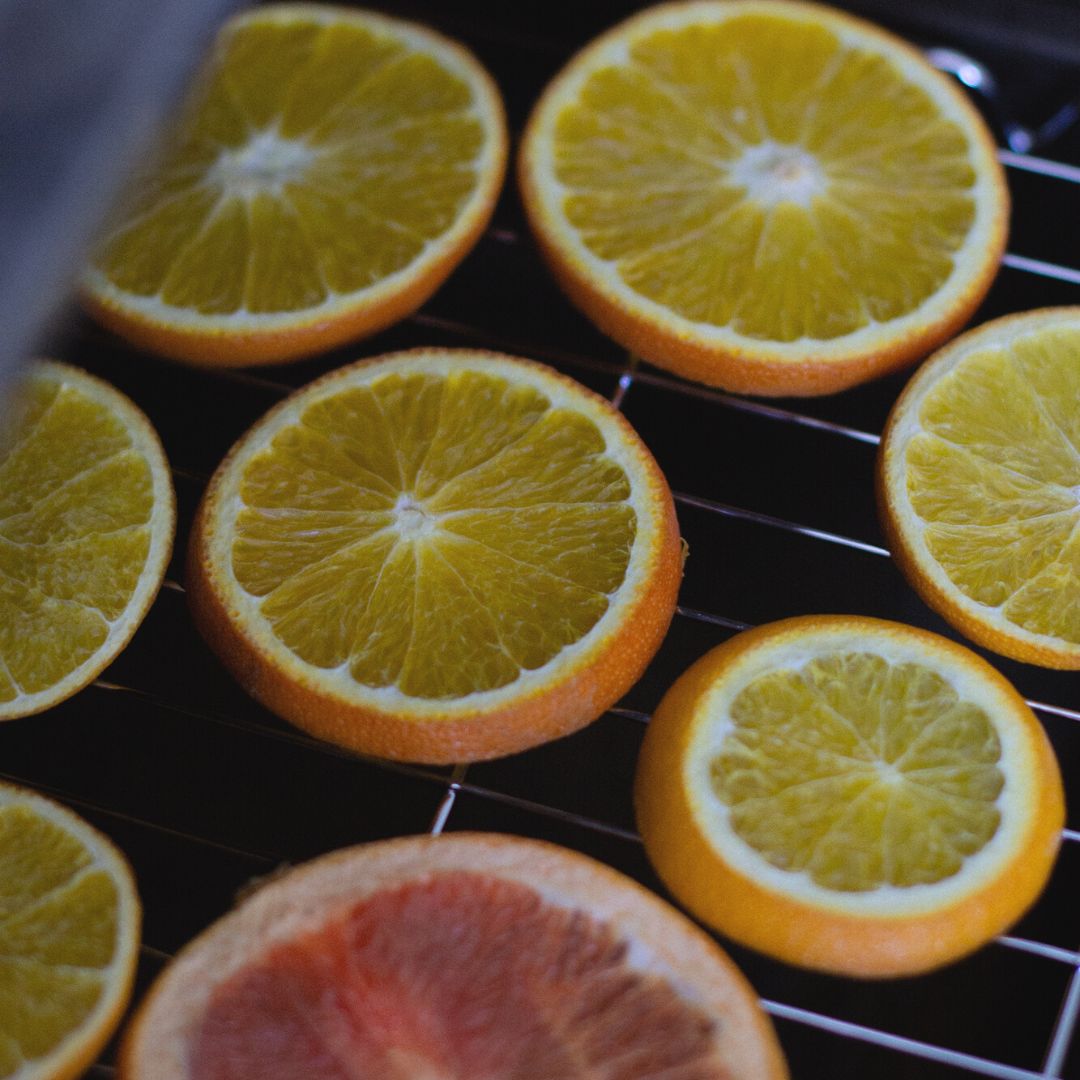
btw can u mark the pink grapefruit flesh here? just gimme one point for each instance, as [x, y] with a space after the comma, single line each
[460, 976]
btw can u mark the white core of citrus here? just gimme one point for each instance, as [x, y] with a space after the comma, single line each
[263, 165]
[773, 173]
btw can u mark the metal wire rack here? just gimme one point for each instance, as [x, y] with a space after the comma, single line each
[204, 790]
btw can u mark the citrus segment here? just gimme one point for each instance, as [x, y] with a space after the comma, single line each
[979, 485]
[329, 170]
[457, 956]
[768, 196]
[86, 527]
[438, 554]
[849, 794]
[69, 934]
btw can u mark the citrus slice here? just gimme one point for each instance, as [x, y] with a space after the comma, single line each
[979, 485]
[849, 794]
[69, 938]
[767, 196]
[86, 527]
[329, 170]
[438, 555]
[465, 955]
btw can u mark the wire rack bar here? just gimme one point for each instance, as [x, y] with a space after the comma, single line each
[271, 859]
[888, 1041]
[514, 345]
[1063, 1029]
[757, 408]
[1044, 166]
[290, 735]
[1057, 710]
[630, 714]
[1042, 268]
[443, 813]
[1048, 952]
[715, 620]
[726, 510]
[160, 955]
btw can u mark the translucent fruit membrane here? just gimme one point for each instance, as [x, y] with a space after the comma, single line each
[76, 500]
[435, 533]
[58, 935]
[767, 176]
[311, 162]
[460, 977]
[994, 473]
[859, 772]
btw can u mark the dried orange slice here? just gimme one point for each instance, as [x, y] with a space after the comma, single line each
[87, 517]
[438, 555]
[979, 485]
[464, 955]
[69, 938]
[330, 169]
[764, 195]
[850, 794]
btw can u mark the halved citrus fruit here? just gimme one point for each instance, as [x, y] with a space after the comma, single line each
[330, 169]
[768, 196]
[849, 794]
[87, 517]
[69, 938]
[465, 955]
[437, 555]
[979, 485]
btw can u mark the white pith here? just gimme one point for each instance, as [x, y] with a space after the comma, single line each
[262, 166]
[773, 173]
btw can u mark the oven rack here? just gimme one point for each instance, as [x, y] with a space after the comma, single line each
[205, 791]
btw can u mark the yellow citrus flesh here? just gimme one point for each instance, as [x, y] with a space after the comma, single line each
[329, 170]
[86, 526]
[69, 937]
[979, 485]
[850, 795]
[767, 196]
[438, 554]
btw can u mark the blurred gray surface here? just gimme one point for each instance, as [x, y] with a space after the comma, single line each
[83, 87]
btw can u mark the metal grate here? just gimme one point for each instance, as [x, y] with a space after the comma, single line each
[205, 790]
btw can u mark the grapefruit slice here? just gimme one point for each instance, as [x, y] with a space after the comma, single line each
[471, 955]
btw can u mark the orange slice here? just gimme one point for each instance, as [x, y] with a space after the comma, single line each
[69, 938]
[849, 794]
[979, 485]
[87, 517]
[764, 195]
[464, 955]
[329, 170]
[438, 555]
